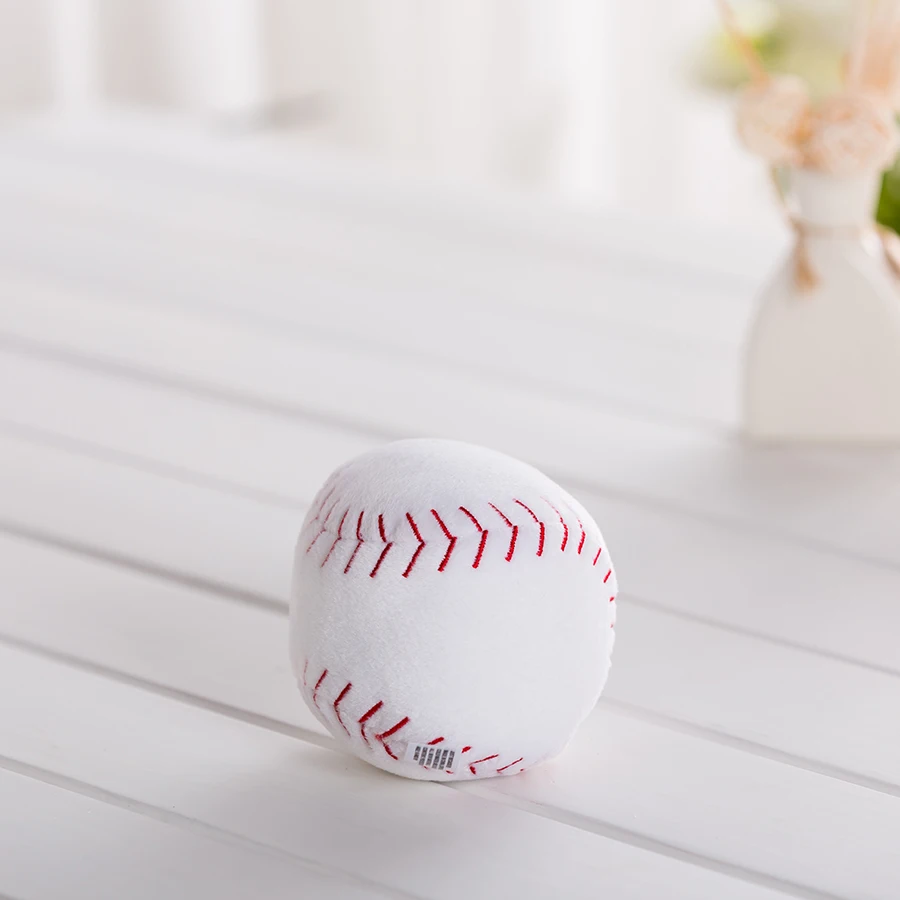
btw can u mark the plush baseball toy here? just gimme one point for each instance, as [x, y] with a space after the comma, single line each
[452, 611]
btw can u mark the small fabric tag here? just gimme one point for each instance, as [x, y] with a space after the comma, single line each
[437, 757]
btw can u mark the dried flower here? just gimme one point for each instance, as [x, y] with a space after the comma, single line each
[773, 118]
[850, 134]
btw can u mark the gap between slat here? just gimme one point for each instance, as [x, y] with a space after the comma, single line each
[572, 819]
[33, 349]
[272, 602]
[186, 823]
[670, 723]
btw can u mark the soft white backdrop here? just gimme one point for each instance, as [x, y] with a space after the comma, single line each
[589, 100]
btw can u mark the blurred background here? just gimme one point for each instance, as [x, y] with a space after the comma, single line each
[595, 102]
[242, 242]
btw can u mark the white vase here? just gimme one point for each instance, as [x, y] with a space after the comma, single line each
[823, 362]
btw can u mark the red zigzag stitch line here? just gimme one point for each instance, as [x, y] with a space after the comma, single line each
[450, 537]
[562, 522]
[415, 555]
[337, 702]
[315, 693]
[477, 761]
[323, 526]
[484, 535]
[515, 532]
[382, 737]
[540, 524]
[325, 499]
[359, 542]
[386, 734]
[583, 535]
[336, 540]
[387, 546]
[365, 718]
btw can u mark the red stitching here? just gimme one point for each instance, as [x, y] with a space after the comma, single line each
[583, 535]
[612, 599]
[374, 571]
[484, 535]
[474, 520]
[540, 549]
[606, 576]
[330, 511]
[338, 538]
[393, 729]
[491, 505]
[384, 552]
[382, 737]
[359, 542]
[325, 499]
[565, 539]
[386, 734]
[449, 537]
[515, 532]
[316, 689]
[512, 543]
[415, 555]
[321, 504]
[312, 543]
[364, 718]
[324, 524]
[452, 538]
[337, 712]
[412, 525]
[477, 761]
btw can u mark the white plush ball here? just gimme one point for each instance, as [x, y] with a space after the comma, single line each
[452, 611]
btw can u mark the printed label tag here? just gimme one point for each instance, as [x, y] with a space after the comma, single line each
[437, 757]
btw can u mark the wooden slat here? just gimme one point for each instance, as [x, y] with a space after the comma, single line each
[814, 708]
[752, 582]
[277, 456]
[630, 303]
[116, 213]
[146, 520]
[615, 365]
[799, 494]
[388, 223]
[206, 417]
[60, 845]
[739, 686]
[615, 774]
[310, 802]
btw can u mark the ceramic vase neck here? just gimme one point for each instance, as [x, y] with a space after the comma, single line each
[832, 201]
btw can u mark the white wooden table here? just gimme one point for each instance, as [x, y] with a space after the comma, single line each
[194, 333]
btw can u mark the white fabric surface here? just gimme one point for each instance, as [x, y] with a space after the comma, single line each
[446, 591]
